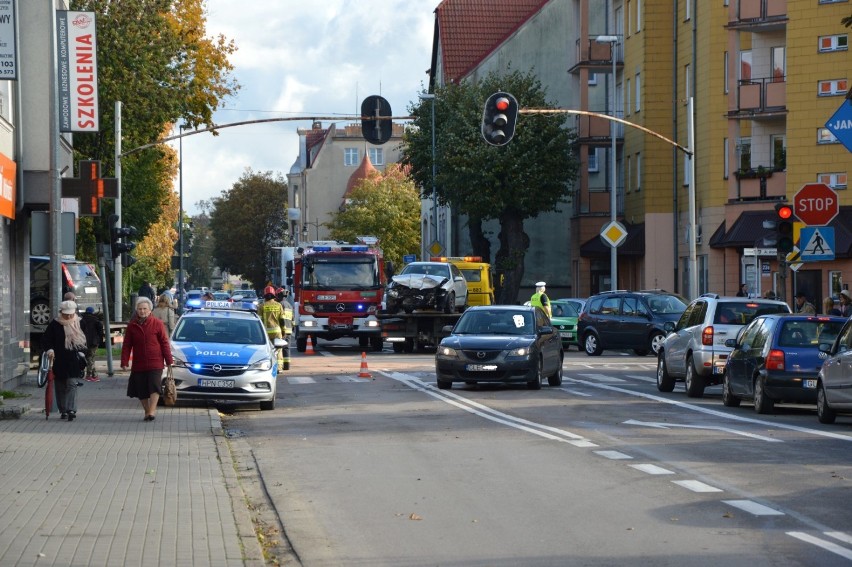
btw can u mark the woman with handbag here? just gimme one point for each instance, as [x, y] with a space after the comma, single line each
[146, 340]
[64, 342]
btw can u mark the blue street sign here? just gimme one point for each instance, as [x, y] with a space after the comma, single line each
[840, 124]
[817, 243]
[409, 258]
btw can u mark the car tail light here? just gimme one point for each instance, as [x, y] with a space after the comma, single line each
[775, 360]
[707, 336]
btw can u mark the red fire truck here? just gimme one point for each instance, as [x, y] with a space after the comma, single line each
[337, 291]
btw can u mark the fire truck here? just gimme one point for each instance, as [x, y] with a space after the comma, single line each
[337, 291]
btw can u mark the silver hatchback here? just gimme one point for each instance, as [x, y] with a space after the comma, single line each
[694, 350]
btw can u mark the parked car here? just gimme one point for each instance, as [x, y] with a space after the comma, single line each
[694, 349]
[436, 286]
[564, 317]
[78, 277]
[224, 353]
[834, 384]
[501, 343]
[776, 358]
[221, 295]
[627, 320]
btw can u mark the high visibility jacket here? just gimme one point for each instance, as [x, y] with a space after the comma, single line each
[277, 319]
[541, 300]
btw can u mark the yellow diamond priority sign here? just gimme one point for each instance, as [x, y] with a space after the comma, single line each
[614, 233]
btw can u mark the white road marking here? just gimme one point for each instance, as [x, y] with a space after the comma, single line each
[651, 469]
[845, 538]
[658, 425]
[643, 378]
[605, 378]
[697, 486]
[300, 380]
[614, 455]
[826, 545]
[753, 508]
[546, 431]
[577, 393]
[350, 378]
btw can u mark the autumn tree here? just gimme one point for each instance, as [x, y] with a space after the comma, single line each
[247, 221]
[386, 206]
[202, 260]
[533, 174]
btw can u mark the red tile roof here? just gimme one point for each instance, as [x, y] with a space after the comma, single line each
[365, 170]
[471, 29]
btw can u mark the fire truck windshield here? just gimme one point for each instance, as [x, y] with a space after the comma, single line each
[344, 274]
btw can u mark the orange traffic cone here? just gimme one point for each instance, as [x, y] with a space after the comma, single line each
[364, 373]
[309, 348]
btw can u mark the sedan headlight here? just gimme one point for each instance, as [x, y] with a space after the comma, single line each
[522, 352]
[393, 292]
[178, 363]
[446, 351]
[265, 364]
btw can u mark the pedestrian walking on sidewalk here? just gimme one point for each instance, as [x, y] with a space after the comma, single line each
[65, 344]
[165, 313]
[93, 328]
[147, 342]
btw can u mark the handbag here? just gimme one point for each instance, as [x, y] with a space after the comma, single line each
[169, 389]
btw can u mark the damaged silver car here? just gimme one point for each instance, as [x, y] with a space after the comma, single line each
[437, 286]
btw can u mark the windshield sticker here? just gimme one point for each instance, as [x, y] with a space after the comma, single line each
[519, 321]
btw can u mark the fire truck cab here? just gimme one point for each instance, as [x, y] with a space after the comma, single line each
[337, 291]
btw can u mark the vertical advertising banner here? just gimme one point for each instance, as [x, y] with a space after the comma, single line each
[8, 54]
[7, 187]
[78, 71]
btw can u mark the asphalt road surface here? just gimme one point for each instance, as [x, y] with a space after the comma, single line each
[604, 470]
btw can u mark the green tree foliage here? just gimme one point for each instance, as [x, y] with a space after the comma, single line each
[201, 257]
[155, 57]
[386, 206]
[532, 174]
[247, 221]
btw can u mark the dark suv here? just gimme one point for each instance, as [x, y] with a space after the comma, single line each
[77, 277]
[627, 320]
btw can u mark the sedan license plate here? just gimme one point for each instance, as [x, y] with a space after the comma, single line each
[204, 383]
[91, 289]
[809, 384]
[566, 335]
[481, 367]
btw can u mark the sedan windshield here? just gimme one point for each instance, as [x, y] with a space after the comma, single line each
[496, 323]
[219, 330]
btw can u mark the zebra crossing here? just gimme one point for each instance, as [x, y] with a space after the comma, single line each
[572, 378]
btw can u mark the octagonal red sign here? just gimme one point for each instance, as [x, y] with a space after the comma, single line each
[816, 204]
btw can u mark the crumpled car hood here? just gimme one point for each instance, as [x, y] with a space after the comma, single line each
[419, 281]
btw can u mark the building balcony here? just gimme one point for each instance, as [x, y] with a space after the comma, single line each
[760, 99]
[596, 56]
[595, 203]
[595, 131]
[760, 184]
[760, 15]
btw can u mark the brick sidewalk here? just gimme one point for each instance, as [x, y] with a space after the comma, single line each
[111, 489]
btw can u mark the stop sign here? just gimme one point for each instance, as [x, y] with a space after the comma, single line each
[816, 204]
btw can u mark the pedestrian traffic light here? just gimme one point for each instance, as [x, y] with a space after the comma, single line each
[376, 125]
[499, 118]
[784, 228]
[120, 243]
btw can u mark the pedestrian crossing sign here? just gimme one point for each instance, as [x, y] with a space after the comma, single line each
[817, 243]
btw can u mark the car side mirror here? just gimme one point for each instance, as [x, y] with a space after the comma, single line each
[447, 329]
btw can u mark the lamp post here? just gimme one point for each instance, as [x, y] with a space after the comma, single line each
[612, 40]
[431, 97]
[305, 228]
[180, 290]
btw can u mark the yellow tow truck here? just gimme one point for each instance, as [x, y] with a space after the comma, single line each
[479, 277]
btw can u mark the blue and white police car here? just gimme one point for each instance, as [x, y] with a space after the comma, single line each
[221, 352]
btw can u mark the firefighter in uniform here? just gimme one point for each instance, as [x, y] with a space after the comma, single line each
[282, 296]
[275, 320]
[540, 299]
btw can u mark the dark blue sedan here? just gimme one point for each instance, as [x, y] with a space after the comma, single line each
[501, 343]
[776, 358]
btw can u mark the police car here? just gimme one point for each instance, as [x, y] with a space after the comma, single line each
[221, 352]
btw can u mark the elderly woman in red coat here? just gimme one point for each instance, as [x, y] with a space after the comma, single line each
[147, 340]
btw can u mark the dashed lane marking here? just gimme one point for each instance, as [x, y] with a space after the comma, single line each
[614, 455]
[651, 469]
[826, 545]
[696, 486]
[753, 508]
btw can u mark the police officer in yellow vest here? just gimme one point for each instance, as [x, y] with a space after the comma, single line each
[540, 299]
[275, 319]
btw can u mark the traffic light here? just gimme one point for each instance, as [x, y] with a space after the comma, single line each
[784, 227]
[120, 243]
[375, 128]
[499, 118]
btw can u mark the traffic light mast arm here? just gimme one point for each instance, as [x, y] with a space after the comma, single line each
[685, 150]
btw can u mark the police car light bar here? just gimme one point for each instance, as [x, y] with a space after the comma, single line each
[221, 305]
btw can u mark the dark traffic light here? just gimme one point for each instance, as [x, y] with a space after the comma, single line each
[784, 228]
[120, 243]
[376, 125]
[499, 118]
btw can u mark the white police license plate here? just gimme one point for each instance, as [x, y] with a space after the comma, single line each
[809, 384]
[204, 383]
[481, 367]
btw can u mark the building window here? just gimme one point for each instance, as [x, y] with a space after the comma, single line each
[824, 136]
[638, 171]
[835, 281]
[638, 15]
[377, 156]
[834, 180]
[638, 92]
[832, 1]
[594, 166]
[627, 96]
[745, 65]
[627, 182]
[350, 156]
[778, 143]
[687, 13]
[829, 43]
[725, 63]
[629, 18]
[744, 153]
[834, 87]
[779, 64]
[593, 78]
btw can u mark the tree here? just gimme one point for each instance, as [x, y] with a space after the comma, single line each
[201, 257]
[154, 251]
[247, 221]
[386, 206]
[531, 175]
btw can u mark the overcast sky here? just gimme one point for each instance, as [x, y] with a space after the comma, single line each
[298, 59]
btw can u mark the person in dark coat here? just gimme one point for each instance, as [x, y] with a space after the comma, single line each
[94, 331]
[147, 291]
[147, 341]
[65, 344]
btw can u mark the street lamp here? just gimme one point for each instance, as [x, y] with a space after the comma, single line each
[431, 97]
[180, 290]
[305, 228]
[612, 40]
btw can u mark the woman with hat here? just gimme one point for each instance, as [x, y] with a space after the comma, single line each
[845, 307]
[65, 344]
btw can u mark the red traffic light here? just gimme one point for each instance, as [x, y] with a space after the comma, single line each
[784, 211]
[502, 104]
